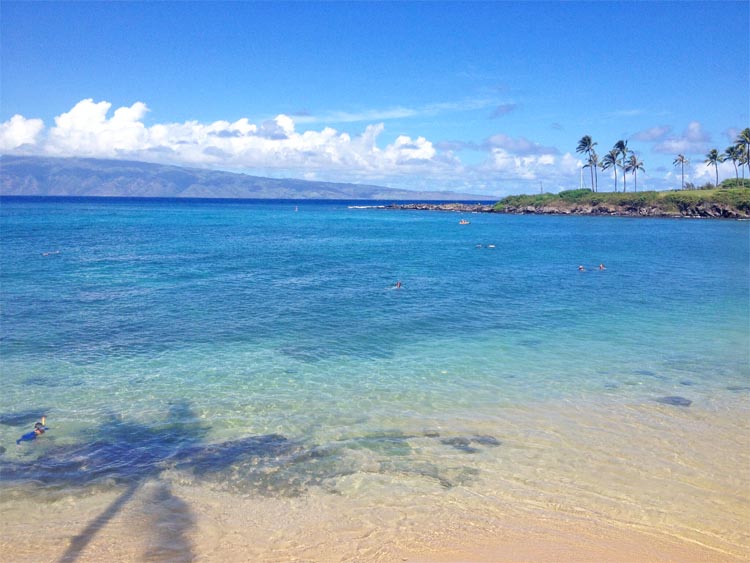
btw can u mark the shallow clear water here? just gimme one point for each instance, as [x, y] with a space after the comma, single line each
[262, 349]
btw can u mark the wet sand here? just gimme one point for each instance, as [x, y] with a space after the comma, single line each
[191, 525]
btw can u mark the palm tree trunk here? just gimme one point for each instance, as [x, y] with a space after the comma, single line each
[682, 166]
[615, 167]
[596, 177]
[635, 180]
[716, 167]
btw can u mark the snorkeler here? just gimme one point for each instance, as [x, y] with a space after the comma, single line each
[39, 429]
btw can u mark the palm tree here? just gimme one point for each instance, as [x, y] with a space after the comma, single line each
[743, 140]
[594, 163]
[733, 153]
[713, 158]
[586, 145]
[682, 161]
[633, 165]
[622, 150]
[743, 161]
[610, 161]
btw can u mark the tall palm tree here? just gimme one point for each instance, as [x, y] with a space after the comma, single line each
[744, 161]
[633, 165]
[622, 150]
[713, 158]
[610, 160]
[743, 139]
[733, 153]
[682, 161]
[594, 163]
[586, 146]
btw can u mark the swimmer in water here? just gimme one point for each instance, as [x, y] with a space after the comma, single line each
[39, 429]
[581, 269]
[398, 285]
[601, 267]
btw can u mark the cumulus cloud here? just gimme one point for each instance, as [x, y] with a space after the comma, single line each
[693, 140]
[91, 129]
[277, 147]
[522, 159]
[702, 172]
[18, 132]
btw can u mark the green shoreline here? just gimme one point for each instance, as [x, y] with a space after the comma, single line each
[721, 203]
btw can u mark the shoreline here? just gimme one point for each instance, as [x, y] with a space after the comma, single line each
[708, 211]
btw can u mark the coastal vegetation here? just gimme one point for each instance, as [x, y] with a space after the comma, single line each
[729, 200]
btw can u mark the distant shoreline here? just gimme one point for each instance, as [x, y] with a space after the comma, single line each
[731, 203]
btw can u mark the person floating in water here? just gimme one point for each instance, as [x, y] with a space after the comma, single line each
[581, 269]
[398, 285]
[601, 267]
[39, 429]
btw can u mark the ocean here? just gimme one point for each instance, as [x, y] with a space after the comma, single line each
[261, 352]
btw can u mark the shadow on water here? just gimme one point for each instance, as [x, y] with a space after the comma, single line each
[128, 454]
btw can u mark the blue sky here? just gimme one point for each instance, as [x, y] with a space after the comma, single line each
[476, 97]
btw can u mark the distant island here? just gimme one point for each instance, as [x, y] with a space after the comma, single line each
[728, 202]
[86, 177]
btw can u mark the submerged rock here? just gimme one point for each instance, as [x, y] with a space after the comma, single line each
[460, 443]
[676, 401]
[464, 444]
[486, 440]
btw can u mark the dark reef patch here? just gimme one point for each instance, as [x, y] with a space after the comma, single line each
[675, 400]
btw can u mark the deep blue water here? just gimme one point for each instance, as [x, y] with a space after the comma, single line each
[247, 319]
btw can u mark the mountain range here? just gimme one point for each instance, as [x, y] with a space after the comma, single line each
[49, 176]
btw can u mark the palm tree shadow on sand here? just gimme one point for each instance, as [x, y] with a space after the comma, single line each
[130, 454]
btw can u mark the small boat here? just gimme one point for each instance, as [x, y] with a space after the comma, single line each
[464, 222]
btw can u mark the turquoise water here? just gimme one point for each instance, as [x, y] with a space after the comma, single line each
[168, 327]
[271, 319]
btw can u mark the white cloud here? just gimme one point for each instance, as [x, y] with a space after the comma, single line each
[701, 172]
[276, 147]
[507, 165]
[652, 134]
[19, 131]
[692, 141]
[86, 130]
[520, 145]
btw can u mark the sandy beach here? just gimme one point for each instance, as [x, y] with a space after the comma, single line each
[562, 507]
[220, 528]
